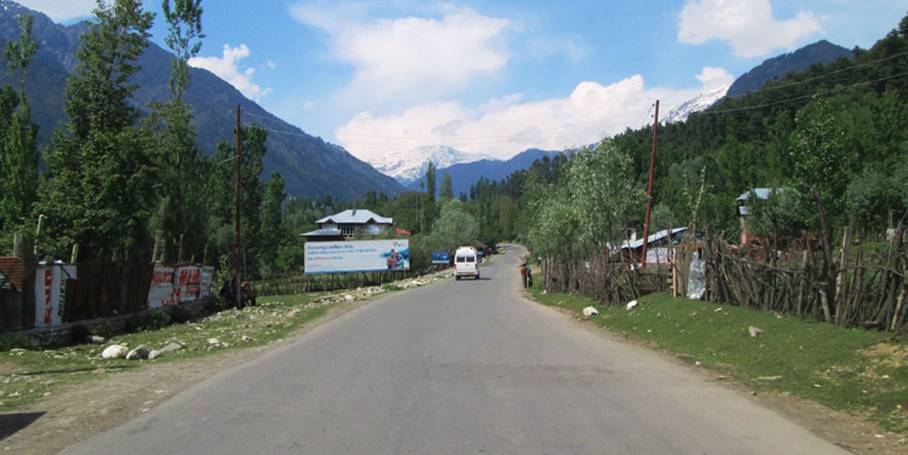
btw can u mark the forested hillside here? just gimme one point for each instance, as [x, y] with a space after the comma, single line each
[311, 167]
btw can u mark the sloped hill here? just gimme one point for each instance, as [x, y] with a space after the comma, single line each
[311, 166]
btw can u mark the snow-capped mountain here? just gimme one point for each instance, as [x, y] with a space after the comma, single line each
[407, 166]
[701, 102]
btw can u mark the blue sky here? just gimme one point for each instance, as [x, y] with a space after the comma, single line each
[497, 77]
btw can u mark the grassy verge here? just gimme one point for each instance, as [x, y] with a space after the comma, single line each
[853, 370]
[27, 376]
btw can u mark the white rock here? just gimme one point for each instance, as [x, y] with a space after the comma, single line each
[348, 298]
[115, 351]
[754, 331]
[171, 347]
[95, 339]
[214, 341]
[590, 311]
[631, 305]
[141, 352]
[247, 339]
[154, 355]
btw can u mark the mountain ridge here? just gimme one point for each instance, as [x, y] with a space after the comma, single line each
[311, 166]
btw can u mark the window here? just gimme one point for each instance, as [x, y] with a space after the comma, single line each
[471, 258]
[461, 259]
[348, 230]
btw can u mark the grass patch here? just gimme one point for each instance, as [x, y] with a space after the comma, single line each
[853, 370]
[28, 375]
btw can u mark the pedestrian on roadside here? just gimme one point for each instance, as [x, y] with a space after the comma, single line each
[529, 278]
[524, 274]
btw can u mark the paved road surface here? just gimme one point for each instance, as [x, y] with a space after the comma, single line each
[458, 368]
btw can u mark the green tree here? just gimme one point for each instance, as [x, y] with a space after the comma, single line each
[447, 188]
[220, 192]
[18, 143]
[99, 189]
[455, 227]
[273, 231]
[179, 221]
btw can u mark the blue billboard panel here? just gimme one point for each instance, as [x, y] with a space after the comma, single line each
[441, 257]
[357, 256]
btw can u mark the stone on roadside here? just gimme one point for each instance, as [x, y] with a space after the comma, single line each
[348, 298]
[171, 347]
[154, 354]
[590, 312]
[115, 351]
[96, 339]
[139, 353]
[247, 339]
[631, 305]
[755, 331]
[213, 341]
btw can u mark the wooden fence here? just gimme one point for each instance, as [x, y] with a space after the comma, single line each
[861, 286]
[106, 290]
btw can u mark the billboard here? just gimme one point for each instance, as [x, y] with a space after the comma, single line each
[441, 258]
[357, 256]
[160, 292]
[50, 292]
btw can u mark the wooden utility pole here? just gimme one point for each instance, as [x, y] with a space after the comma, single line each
[649, 190]
[237, 246]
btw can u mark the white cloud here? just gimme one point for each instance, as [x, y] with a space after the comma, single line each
[411, 59]
[228, 68]
[505, 126]
[748, 26]
[61, 10]
[713, 77]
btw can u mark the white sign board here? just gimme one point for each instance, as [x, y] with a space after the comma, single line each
[186, 286]
[50, 292]
[357, 256]
[161, 291]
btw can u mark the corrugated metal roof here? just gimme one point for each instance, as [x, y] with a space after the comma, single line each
[355, 216]
[652, 238]
[761, 193]
[326, 232]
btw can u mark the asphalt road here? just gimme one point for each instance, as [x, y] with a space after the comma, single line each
[458, 368]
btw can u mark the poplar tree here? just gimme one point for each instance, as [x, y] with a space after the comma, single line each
[19, 159]
[179, 221]
[99, 191]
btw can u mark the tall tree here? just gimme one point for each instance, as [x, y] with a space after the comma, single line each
[429, 210]
[447, 188]
[99, 191]
[19, 167]
[273, 231]
[179, 221]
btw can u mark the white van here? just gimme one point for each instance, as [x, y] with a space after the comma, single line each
[466, 262]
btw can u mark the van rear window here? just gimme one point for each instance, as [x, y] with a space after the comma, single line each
[461, 259]
[471, 258]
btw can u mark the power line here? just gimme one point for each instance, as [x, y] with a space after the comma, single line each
[821, 76]
[797, 98]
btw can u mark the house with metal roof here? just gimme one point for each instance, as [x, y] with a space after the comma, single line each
[348, 224]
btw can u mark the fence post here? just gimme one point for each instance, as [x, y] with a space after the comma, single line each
[25, 250]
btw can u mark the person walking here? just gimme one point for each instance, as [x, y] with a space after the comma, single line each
[524, 273]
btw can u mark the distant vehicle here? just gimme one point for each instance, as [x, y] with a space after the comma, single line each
[466, 263]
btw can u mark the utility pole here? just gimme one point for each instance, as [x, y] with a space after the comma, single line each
[649, 189]
[237, 248]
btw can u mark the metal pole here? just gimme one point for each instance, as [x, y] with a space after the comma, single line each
[649, 189]
[237, 248]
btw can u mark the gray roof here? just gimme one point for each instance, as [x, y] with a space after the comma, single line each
[761, 193]
[652, 238]
[355, 216]
[325, 232]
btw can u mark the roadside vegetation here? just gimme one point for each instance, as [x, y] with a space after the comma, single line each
[29, 374]
[854, 370]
